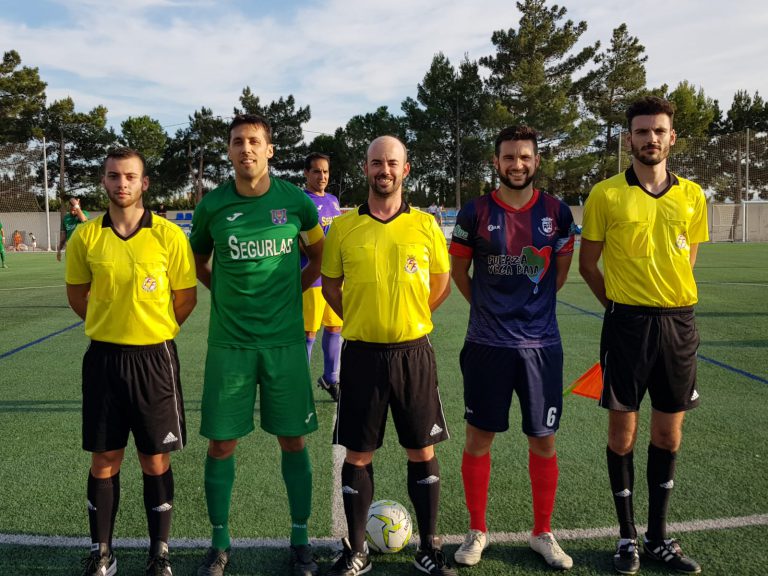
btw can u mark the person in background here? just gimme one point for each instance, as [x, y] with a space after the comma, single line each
[74, 217]
[316, 310]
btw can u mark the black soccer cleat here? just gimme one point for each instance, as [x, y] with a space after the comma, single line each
[331, 387]
[669, 552]
[158, 563]
[626, 560]
[100, 562]
[431, 560]
[302, 561]
[350, 563]
[214, 562]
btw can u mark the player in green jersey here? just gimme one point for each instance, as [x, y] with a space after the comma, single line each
[2, 247]
[252, 226]
[74, 216]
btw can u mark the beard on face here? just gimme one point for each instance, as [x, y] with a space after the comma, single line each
[644, 158]
[509, 184]
[377, 189]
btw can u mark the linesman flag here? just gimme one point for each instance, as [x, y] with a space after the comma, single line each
[589, 384]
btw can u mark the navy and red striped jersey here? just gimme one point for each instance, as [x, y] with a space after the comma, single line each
[514, 267]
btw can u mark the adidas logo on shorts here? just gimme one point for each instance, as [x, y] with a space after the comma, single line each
[435, 430]
[170, 438]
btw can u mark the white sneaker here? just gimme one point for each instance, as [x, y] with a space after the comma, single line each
[472, 548]
[546, 545]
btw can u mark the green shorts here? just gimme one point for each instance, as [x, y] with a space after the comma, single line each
[286, 403]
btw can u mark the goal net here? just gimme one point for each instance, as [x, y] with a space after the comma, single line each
[23, 218]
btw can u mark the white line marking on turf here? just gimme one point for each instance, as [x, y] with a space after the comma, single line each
[733, 283]
[31, 287]
[497, 537]
[338, 518]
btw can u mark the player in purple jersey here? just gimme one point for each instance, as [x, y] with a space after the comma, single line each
[519, 242]
[316, 310]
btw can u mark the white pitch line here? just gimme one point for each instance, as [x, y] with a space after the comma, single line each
[31, 288]
[497, 537]
[338, 518]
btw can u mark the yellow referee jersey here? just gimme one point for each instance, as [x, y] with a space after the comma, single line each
[131, 278]
[647, 239]
[386, 268]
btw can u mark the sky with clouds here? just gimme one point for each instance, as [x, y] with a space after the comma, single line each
[168, 58]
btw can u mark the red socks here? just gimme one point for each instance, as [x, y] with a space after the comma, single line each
[543, 473]
[476, 473]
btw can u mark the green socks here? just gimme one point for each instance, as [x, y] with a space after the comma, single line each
[297, 475]
[219, 479]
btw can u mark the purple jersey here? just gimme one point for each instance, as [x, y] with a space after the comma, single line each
[327, 209]
[514, 276]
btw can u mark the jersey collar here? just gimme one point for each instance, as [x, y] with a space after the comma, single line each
[366, 210]
[145, 222]
[496, 198]
[633, 181]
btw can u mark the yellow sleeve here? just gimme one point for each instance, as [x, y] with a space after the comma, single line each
[313, 235]
[77, 269]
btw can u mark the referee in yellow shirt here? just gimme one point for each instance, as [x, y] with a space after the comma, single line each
[392, 262]
[131, 276]
[647, 224]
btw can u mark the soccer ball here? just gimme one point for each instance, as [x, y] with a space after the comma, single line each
[388, 529]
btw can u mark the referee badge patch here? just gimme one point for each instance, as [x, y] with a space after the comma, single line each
[682, 242]
[411, 266]
[279, 216]
[149, 284]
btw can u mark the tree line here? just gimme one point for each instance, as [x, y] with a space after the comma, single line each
[574, 97]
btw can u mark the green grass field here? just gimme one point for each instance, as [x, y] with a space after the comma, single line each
[720, 506]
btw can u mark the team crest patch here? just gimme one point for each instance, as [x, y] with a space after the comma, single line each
[279, 216]
[547, 227]
[411, 266]
[149, 284]
[682, 242]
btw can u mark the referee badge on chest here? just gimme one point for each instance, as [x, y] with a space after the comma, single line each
[411, 265]
[279, 216]
[149, 284]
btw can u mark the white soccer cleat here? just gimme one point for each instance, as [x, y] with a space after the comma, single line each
[546, 545]
[471, 549]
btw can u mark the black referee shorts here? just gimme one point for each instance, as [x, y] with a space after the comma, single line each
[132, 389]
[375, 377]
[653, 349]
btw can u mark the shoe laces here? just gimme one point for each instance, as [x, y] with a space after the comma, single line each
[215, 557]
[158, 564]
[93, 562]
[473, 537]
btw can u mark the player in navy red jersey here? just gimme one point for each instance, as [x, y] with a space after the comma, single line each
[519, 243]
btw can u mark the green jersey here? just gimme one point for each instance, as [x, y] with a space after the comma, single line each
[70, 222]
[256, 279]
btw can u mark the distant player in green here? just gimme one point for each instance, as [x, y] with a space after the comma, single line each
[253, 225]
[74, 217]
[2, 246]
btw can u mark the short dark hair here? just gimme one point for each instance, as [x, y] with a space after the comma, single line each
[253, 119]
[123, 153]
[312, 156]
[650, 106]
[517, 133]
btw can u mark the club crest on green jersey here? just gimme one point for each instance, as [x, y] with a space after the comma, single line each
[279, 216]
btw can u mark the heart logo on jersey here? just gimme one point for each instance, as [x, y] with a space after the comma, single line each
[535, 262]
